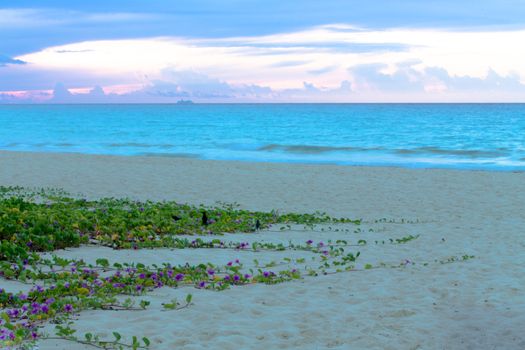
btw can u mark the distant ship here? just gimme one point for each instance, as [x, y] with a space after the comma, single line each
[184, 102]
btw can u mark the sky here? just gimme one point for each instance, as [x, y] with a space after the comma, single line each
[238, 51]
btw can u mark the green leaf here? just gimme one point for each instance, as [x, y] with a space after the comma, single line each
[188, 298]
[146, 341]
[102, 262]
[117, 336]
[144, 304]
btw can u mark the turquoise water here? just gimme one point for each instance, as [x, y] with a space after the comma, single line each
[472, 136]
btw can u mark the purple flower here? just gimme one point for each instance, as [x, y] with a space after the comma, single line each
[138, 288]
[13, 313]
[179, 277]
[237, 261]
[45, 309]
[266, 274]
[34, 335]
[211, 272]
[226, 278]
[236, 278]
[230, 263]
[22, 297]
[68, 308]
[142, 276]
[247, 276]
[309, 242]
[202, 284]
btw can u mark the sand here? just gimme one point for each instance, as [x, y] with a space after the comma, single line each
[476, 304]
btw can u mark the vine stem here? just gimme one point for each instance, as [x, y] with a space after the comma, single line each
[83, 342]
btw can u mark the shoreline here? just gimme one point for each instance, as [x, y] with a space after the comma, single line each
[410, 166]
[338, 190]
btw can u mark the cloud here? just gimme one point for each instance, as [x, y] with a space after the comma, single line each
[24, 18]
[407, 64]
[190, 84]
[372, 77]
[408, 78]
[289, 63]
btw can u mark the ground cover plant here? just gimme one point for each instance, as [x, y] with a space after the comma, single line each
[43, 221]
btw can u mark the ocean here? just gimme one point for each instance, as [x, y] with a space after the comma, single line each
[462, 136]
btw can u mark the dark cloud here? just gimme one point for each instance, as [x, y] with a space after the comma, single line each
[323, 70]
[72, 51]
[5, 60]
[190, 84]
[96, 95]
[61, 94]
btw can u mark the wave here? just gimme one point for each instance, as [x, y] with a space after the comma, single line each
[169, 155]
[40, 144]
[310, 149]
[140, 145]
[453, 152]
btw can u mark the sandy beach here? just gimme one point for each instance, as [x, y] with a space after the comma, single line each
[428, 303]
